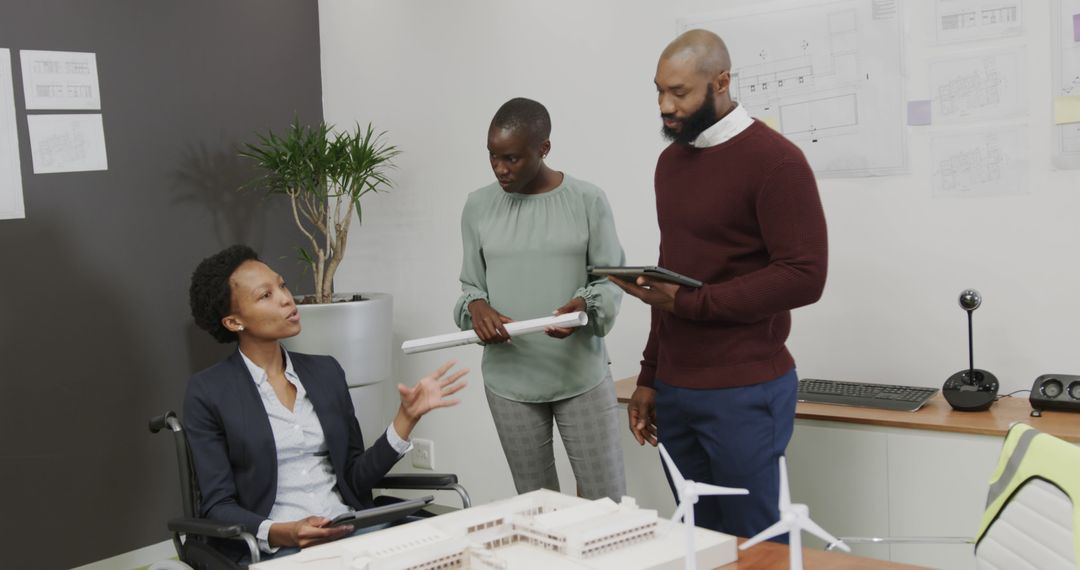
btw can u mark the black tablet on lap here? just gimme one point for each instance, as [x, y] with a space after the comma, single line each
[383, 514]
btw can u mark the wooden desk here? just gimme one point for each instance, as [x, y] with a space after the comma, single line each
[770, 556]
[936, 415]
[867, 472]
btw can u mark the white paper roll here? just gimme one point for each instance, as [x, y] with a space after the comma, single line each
[569, 320]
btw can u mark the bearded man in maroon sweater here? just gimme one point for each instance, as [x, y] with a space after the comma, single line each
[738, 209]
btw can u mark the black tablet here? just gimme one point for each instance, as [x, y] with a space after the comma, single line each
[384, 514]
[632, 273]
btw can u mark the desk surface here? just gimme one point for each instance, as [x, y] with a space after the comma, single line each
[936, 415]
[770, 555]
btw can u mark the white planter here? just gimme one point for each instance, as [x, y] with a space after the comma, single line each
[359, 335]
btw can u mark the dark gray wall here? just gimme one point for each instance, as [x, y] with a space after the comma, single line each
[95, 334]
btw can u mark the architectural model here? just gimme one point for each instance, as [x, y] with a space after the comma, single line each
[541, 529]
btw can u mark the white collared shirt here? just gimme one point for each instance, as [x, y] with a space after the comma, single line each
[306, 482]
[732, 124]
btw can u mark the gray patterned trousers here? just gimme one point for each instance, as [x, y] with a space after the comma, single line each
[588, 424]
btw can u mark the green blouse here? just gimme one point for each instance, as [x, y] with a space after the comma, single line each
[526, 255]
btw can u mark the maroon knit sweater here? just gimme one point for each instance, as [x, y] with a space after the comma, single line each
[745, 218]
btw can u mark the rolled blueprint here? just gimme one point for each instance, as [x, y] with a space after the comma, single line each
[569, 320]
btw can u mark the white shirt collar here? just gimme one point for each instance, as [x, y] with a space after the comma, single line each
[259, 375]
[723, 130]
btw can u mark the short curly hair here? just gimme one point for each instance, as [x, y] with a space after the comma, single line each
[526, 116]
[210, 294]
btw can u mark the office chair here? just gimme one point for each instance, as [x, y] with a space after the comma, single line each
[1032, 516]
[192, 534]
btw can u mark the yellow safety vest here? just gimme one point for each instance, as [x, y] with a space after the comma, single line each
[1028, 454]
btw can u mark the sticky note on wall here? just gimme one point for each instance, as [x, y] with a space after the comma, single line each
[1067, 109]
[772, 120]
[918, 112]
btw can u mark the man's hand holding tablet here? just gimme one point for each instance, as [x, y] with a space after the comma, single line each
[653, 273]
[655, 286]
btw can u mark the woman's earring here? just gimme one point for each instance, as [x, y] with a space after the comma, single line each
[241, 328]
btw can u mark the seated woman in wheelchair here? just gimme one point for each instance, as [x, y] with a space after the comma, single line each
[273, 436]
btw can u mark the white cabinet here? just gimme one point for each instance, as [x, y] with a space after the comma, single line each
[863, 480]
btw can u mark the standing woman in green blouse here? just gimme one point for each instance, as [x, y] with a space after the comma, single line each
[527, 239]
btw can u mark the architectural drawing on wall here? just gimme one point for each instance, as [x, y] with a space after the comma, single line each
[67, 143]
[1068, 137]
[978, 87]
[11, 192]
[1065, 48]
[60, 80]
[984, 162]
[828, 75]
[962, 20]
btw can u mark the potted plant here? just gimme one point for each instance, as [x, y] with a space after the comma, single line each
[324, 174]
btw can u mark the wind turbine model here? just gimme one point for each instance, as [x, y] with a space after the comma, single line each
[688, 492]
[794, 518]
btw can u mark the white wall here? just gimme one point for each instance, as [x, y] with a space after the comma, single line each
[433, 73]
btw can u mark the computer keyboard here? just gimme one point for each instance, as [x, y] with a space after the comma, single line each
[883, 396]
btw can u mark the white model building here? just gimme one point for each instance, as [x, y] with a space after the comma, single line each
[541, 529]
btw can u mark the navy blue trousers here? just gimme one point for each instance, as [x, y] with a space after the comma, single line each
[732, 437]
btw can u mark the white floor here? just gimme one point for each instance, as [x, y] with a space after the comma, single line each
[140, 558]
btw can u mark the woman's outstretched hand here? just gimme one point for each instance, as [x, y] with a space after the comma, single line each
[429, 393]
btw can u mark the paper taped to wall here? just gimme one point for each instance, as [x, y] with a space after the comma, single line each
[67, 143]
[1065, 53]
[60, 80]
[828, 75]
[569, 320]
[11, 190]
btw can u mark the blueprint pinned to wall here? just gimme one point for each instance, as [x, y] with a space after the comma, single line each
[1065, 49]
[828, 75]
[964, 20]
[11, 191]
[67, 143]
[982, 86]
[981, 162]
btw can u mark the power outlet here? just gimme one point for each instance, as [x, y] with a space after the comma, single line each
[423, 454]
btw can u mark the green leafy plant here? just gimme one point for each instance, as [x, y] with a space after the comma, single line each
[324, 174]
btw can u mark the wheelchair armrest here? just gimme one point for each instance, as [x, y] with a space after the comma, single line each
[166, 420]
[214, 529]
[427, 481]
[418, 481]
[205, 527]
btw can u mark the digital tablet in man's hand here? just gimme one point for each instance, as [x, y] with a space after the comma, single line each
[632, 273]
[384, 514]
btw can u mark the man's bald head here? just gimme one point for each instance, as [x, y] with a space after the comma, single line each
[703, 48]
[692, 81]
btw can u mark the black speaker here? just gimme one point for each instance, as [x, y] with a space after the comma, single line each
[1056, 392]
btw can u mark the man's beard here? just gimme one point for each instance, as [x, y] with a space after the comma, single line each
[695, 123]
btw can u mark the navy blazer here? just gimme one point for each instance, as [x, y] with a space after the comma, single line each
[232, 444]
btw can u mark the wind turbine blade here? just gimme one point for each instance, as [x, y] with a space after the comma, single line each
[785, 495]
[813, 528]
[672, 470]
[681, 511]
[707, 489]
[778, 528]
